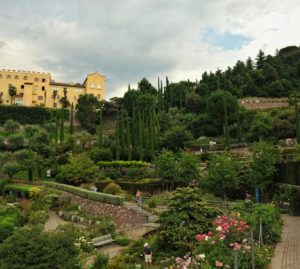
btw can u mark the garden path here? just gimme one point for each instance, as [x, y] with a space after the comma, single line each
[287, 252]
[54, 221]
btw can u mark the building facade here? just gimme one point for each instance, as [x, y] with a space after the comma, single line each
[39, 89]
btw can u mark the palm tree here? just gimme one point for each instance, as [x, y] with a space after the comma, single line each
[12, 91]
[54, 96]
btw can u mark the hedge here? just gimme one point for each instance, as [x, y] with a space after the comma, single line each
[123, 164]
[18, 189]
[96, 196]
[27, 115]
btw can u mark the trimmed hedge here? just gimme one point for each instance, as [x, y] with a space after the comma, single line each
[96, 196]
[28, 115]
[123, 164]
[18, 189]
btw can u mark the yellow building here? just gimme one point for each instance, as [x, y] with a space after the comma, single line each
[38, 89]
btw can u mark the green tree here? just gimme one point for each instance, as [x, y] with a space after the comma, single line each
[100, 130]
[146, 87]
[11, 168]
[263, 163]
[12, 91]
[187, 215]
[260, 59]
[62, 127]
[32, 248]
[11, 126]
[165, 165]
[188, 167]
[175, 138]
[71, 129]
[26, 160]
[87, 112]
[224, 175]
[15, 141]
[80, 169]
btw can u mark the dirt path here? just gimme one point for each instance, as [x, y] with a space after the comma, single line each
[53, 221]
[287, 252]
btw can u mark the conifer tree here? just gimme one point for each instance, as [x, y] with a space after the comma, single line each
[72, 119]
[297, 118]
[100, 131]
[117, 137]
[128, 139]
[140, 137]
[62, 130]
[238, 120]
[226, 130]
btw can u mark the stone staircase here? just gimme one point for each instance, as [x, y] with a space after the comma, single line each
[151, 218]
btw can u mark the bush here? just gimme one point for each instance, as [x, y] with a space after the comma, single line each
[97, 154]
[101, 261]
[9, 219]
[11, 126]
[112, 188]
[123, 164]
[37, 217]
[96, 196]
[18, 190]
[122, 240]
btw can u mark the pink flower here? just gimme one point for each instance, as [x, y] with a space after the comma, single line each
[222, 237]
[213, 242]
[201, 237]
[178, 260]
[219, 264]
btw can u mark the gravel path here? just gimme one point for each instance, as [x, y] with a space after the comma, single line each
[287, 252]
[53, 221]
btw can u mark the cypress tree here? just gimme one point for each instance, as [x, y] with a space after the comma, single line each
[62, 134]
[117, 140]
[72, 120]
[238, 120]
[226, 130]
[121, 131]
[134, 132]
[151, 134]
[56, 129]
[162, 96]
[128, 136]
[140, 137]
[297, 119]
[100, 131]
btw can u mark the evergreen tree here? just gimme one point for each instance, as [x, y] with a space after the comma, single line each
[62, 127]
[238, 121]
[117, 137]
[260, 59]
[226, 130]
[128, 139]
[100, 131]
[72, 119]
[297, 118]
[140, 137]
[56, 128]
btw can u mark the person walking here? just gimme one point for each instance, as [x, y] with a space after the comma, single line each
[148, 254]
[138, 197]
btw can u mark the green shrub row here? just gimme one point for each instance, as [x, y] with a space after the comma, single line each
[96, 196]
[9, 219]
[27, 115]
[18, 189]
[123, 164]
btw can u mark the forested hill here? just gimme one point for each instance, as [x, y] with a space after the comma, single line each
[266, 75]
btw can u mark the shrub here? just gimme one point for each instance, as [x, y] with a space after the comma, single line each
[96, 196]
[123, 164]
[112, 188]
[152, 203]
[11, 126]
[97, 154]
[112, 173]
[101, 261]
[122, 240]
[9, 219]
[18, 189]
[37, 217]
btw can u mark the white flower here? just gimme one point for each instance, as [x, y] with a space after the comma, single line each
[206, 238]
[219, 229]
[201, 256]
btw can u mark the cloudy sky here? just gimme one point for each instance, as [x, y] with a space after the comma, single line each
[127, 40]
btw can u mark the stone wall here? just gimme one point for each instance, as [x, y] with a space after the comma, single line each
[123, 217]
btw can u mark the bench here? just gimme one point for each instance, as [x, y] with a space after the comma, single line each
[102, 240]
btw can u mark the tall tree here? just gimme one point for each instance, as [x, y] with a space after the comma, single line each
[62, 126]
[12, 91]
[72, 120]
[100, 131]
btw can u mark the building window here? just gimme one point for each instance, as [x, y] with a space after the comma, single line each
[43, 80]
[99, 96]
[16, 77]
[98, 86]
[40, 97]
[35, 88]
[22, 86]
[8, 76]
[43, 88]
[25, 78]
[92, 85]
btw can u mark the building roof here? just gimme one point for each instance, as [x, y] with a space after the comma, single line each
[76, 85]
